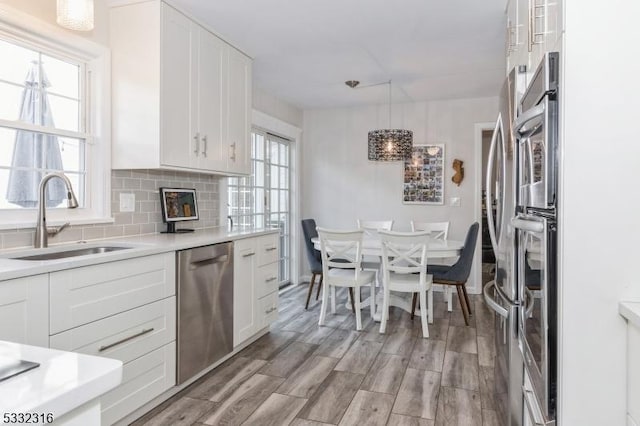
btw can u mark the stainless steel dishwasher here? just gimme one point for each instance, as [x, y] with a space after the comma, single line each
[205, 307]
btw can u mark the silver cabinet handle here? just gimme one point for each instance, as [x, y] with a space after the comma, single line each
[268, 311]
[204, 146]
[197, 139]
[268, 280]
[126, 339]
[270, 248]
[233, 152]
[249, 254]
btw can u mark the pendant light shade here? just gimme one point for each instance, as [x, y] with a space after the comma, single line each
[75, 14]
[390, 144]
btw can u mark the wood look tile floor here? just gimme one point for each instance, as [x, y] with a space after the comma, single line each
[302, 374]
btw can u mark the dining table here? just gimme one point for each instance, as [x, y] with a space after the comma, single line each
[372, 248]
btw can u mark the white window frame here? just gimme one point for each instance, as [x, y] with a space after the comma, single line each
[25, 30]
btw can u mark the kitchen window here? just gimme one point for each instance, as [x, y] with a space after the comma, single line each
[48, 122]
[263, 199]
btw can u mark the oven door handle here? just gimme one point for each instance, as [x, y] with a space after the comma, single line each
[532, 406]
[527, 116]
[527, 225]
[503, 312]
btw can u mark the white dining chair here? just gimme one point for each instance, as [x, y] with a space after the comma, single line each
[375, 225]
[342, 267]
[404, 269]
[371, 228]
[437, 230]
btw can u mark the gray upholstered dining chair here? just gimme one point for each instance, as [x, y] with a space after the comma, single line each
[458, 273]
[313, 256]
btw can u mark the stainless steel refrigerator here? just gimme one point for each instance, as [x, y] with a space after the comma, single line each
[501, 294]
[523, 156]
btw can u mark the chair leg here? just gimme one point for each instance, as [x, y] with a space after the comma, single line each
[430, 304]
[423, 314]
[373, 299]
[413, 305]
[385, 311]
[313, 280]
[323, 307]
[353, 306]
[333, 299]
[448, 292]
[466, 298]
[357, 308]
[463, 305]
[319, 287]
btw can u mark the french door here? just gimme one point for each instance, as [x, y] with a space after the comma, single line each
[263, 199]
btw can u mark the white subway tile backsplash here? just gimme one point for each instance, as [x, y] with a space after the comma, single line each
[146, 218]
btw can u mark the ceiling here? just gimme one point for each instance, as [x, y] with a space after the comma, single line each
[304, 50]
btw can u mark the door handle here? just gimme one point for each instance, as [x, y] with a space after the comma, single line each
[197, 139]
[492, 303]
[270, 248]
[204, 146]
[233, 151]
[249, 254]
[489, 184]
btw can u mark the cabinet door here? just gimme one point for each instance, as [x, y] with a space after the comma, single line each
[244, 290]
[211, 56]
[238, 112]
[177, 134]
[24, 310]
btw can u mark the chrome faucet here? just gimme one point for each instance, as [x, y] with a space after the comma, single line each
[42, 232]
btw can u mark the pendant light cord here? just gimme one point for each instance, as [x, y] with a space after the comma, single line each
[389, 103]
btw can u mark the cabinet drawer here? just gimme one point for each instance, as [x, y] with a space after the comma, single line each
[125, 336]
[267, 249]
[267, 309]
[83, 295]
[267, 279]
[142, 380]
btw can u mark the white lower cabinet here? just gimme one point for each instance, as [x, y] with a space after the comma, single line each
[24, 310]
[124, 310]
[255, 285]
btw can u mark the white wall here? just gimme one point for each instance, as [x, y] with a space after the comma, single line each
[341, 185]
[599, 207]
[276, 108]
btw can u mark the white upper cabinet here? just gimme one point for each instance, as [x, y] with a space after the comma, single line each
[181, 95]
[534, 27]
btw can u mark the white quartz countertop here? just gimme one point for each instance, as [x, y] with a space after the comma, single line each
[62, 382]
[143, 245]
[631, 311]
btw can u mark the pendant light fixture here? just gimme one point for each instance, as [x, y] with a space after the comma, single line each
[75, 15]
[387, 144]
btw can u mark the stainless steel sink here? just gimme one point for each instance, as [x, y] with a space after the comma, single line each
[71, 253]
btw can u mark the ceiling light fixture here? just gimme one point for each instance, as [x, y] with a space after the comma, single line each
[387, 144]
[75, 15]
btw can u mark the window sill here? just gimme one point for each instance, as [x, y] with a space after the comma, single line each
[22, 224]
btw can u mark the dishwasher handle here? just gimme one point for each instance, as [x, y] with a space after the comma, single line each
[223, 258]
